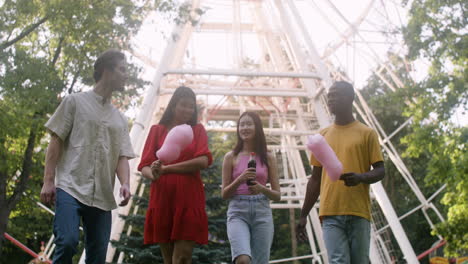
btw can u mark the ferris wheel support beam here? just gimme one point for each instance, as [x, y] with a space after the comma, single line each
[140, 127]
[313, 223]
[383, 200]
[289, 49]
[315, 57]
[299, 56]
[395, 225]
[376, 57]
[223, 91]
[351, 31]
[306, 75]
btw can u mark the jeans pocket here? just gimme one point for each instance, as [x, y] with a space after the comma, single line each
[233, 207]
[265, 203]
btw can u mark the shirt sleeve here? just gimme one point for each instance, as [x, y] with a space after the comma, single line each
[313, 161]
[61, 122]
[202, 144]
[149, 151]
[126, 149]
[375, 153]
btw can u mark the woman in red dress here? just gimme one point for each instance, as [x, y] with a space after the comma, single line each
[176, 216]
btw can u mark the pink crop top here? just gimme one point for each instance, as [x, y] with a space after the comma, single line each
[261, 172]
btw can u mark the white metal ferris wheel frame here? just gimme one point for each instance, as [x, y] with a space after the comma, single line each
[315, 84]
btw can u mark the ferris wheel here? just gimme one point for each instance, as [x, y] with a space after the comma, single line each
[278, 58]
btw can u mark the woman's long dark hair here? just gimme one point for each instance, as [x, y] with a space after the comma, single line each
[180, 92]
[260, 141]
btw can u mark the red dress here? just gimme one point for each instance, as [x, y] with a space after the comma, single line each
[176, 209]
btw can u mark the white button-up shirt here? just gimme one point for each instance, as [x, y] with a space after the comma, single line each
[95, 135]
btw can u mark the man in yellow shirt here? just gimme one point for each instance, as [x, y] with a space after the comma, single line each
[345, 204]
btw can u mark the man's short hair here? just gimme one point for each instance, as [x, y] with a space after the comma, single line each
[107, 60]
[345, 86]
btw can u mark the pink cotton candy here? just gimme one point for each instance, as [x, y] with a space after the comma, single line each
[325, 155]
[178, 138]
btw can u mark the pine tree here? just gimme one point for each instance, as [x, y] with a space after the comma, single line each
[216, 251]
[132, 245]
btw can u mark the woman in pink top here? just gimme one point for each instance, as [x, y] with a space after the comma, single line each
[249, 218]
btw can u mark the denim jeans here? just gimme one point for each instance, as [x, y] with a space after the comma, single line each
[96, 225]
[347, 238]
[250, 227]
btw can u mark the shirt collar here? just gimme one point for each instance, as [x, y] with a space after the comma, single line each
[98, 98]
[347, 125]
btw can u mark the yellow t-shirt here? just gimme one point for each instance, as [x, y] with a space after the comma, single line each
[357, 147]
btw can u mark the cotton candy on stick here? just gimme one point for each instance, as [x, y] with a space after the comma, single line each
[178, 138]
[325, 155]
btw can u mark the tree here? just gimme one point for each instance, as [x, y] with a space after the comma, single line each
[436, 32]
[388, 106]
[48, 45]
[47, 49]
[217, 250]
[132, 244]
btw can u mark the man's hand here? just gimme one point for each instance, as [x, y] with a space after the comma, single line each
[125, 194]
[351, 179]
[301, 231]
[48, 193]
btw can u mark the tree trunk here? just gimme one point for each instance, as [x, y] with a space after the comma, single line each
[75, 79]
[3, 180]
[8, 204]
[4, 215]
[292, 224]
[24, 33]
[58, 50]
[25, 170]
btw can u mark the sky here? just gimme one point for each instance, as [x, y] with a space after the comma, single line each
[355, 57]
[325, 22]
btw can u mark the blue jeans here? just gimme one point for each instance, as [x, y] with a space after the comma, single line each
[347, 238]
[250, 227]
[96, 225]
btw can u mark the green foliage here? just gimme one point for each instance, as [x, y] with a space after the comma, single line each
[47, 50]
[132, 245]
[217, 250]
[282, 240]
[437, 32]
[388, 107]
[433, 146]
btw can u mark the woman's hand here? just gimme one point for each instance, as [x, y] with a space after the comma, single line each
[257, 188]
[248, 174]
[156, 169]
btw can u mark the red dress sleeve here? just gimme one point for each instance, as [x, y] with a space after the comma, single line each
[201, 148]
[149, 151]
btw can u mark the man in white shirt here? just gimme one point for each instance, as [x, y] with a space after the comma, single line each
[89, 144]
